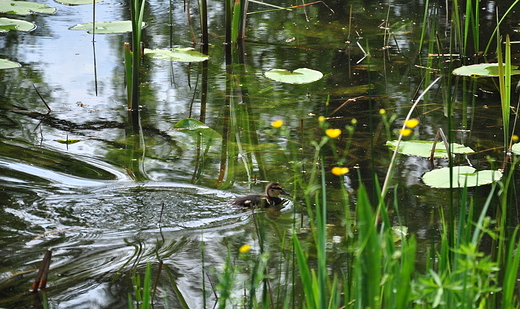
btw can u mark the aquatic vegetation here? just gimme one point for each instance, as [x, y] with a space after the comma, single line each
[106, 27]
[7, 64]
[298, 76]
[24, 7]
[180, 54]
[197, 133]
[11, 24]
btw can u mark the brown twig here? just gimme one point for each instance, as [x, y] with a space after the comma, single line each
[43, 273]
[37, 92]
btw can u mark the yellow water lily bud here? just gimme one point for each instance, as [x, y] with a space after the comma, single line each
[411, 123]
[339, 170]
[333, 133]
[405, 132]
[245, 248]
[277, 123]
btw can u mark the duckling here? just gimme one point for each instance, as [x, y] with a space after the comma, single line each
[272, 191]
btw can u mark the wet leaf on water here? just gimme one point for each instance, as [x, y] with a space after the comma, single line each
[107, 27]
[482, 70]
[177, 54]
[298, 76]
[462, 176]
[77, 2]
[8, 24]
[68, 141]
[7, 64]
[424, 148]
[190, 125]
[24, 7]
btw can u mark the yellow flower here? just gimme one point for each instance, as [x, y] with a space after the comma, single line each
[353, 121]
[277, 123]
[405, 132]
[321, 119]
[245, 248]
[382, 111]
[411, 123]
[333, 133]
[514, 138]
[339, 170]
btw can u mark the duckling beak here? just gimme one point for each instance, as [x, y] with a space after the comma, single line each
[285, 192]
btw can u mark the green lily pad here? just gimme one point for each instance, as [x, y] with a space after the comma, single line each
[106, 27]
[462, 176]
[298, 76]
[177, 54]
[7, 64]
[424, 148]
[8, 24]
[482, 70]
[77, 2]
[24, 7]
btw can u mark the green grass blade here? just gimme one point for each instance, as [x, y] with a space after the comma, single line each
[147, 287]
[305, 273]
[368, 263]
[511, 272]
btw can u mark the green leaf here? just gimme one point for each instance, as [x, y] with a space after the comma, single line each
[77, 2]
[177, 54]
[195, 128]
[8, 24]
[462, 176]
[106, 27]
[7, 64]
[482, 70]
[516, 149]
[424, 148]
[24, 7]
[68, 141]
[298, 76]
[399, 232]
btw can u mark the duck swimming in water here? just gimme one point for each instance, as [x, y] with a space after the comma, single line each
[272, 191]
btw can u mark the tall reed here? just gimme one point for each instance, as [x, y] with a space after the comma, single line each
[133, 54]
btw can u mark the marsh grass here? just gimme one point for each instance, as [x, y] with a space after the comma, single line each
[380, 271]
[133, 54]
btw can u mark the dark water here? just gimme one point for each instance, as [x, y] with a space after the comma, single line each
[165, 192]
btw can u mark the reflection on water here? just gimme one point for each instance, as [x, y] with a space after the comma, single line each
[81, 199]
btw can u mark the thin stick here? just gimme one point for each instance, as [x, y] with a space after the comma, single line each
[440, 133]
[37, 92]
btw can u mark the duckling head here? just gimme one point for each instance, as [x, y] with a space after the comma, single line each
[274, 189]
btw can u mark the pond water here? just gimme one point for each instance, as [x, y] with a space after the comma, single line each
[112, 200]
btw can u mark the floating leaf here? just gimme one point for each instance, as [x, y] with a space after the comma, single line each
[24, 7]
[195, 127]
[424, 148]
[482, 70]
[516, 149]
[399, 232]
[77, 2]
[7, 64]
[8, 24]
[68, 141]
[298, 76]
[106, 27]
[180, 54]
[462, 176]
